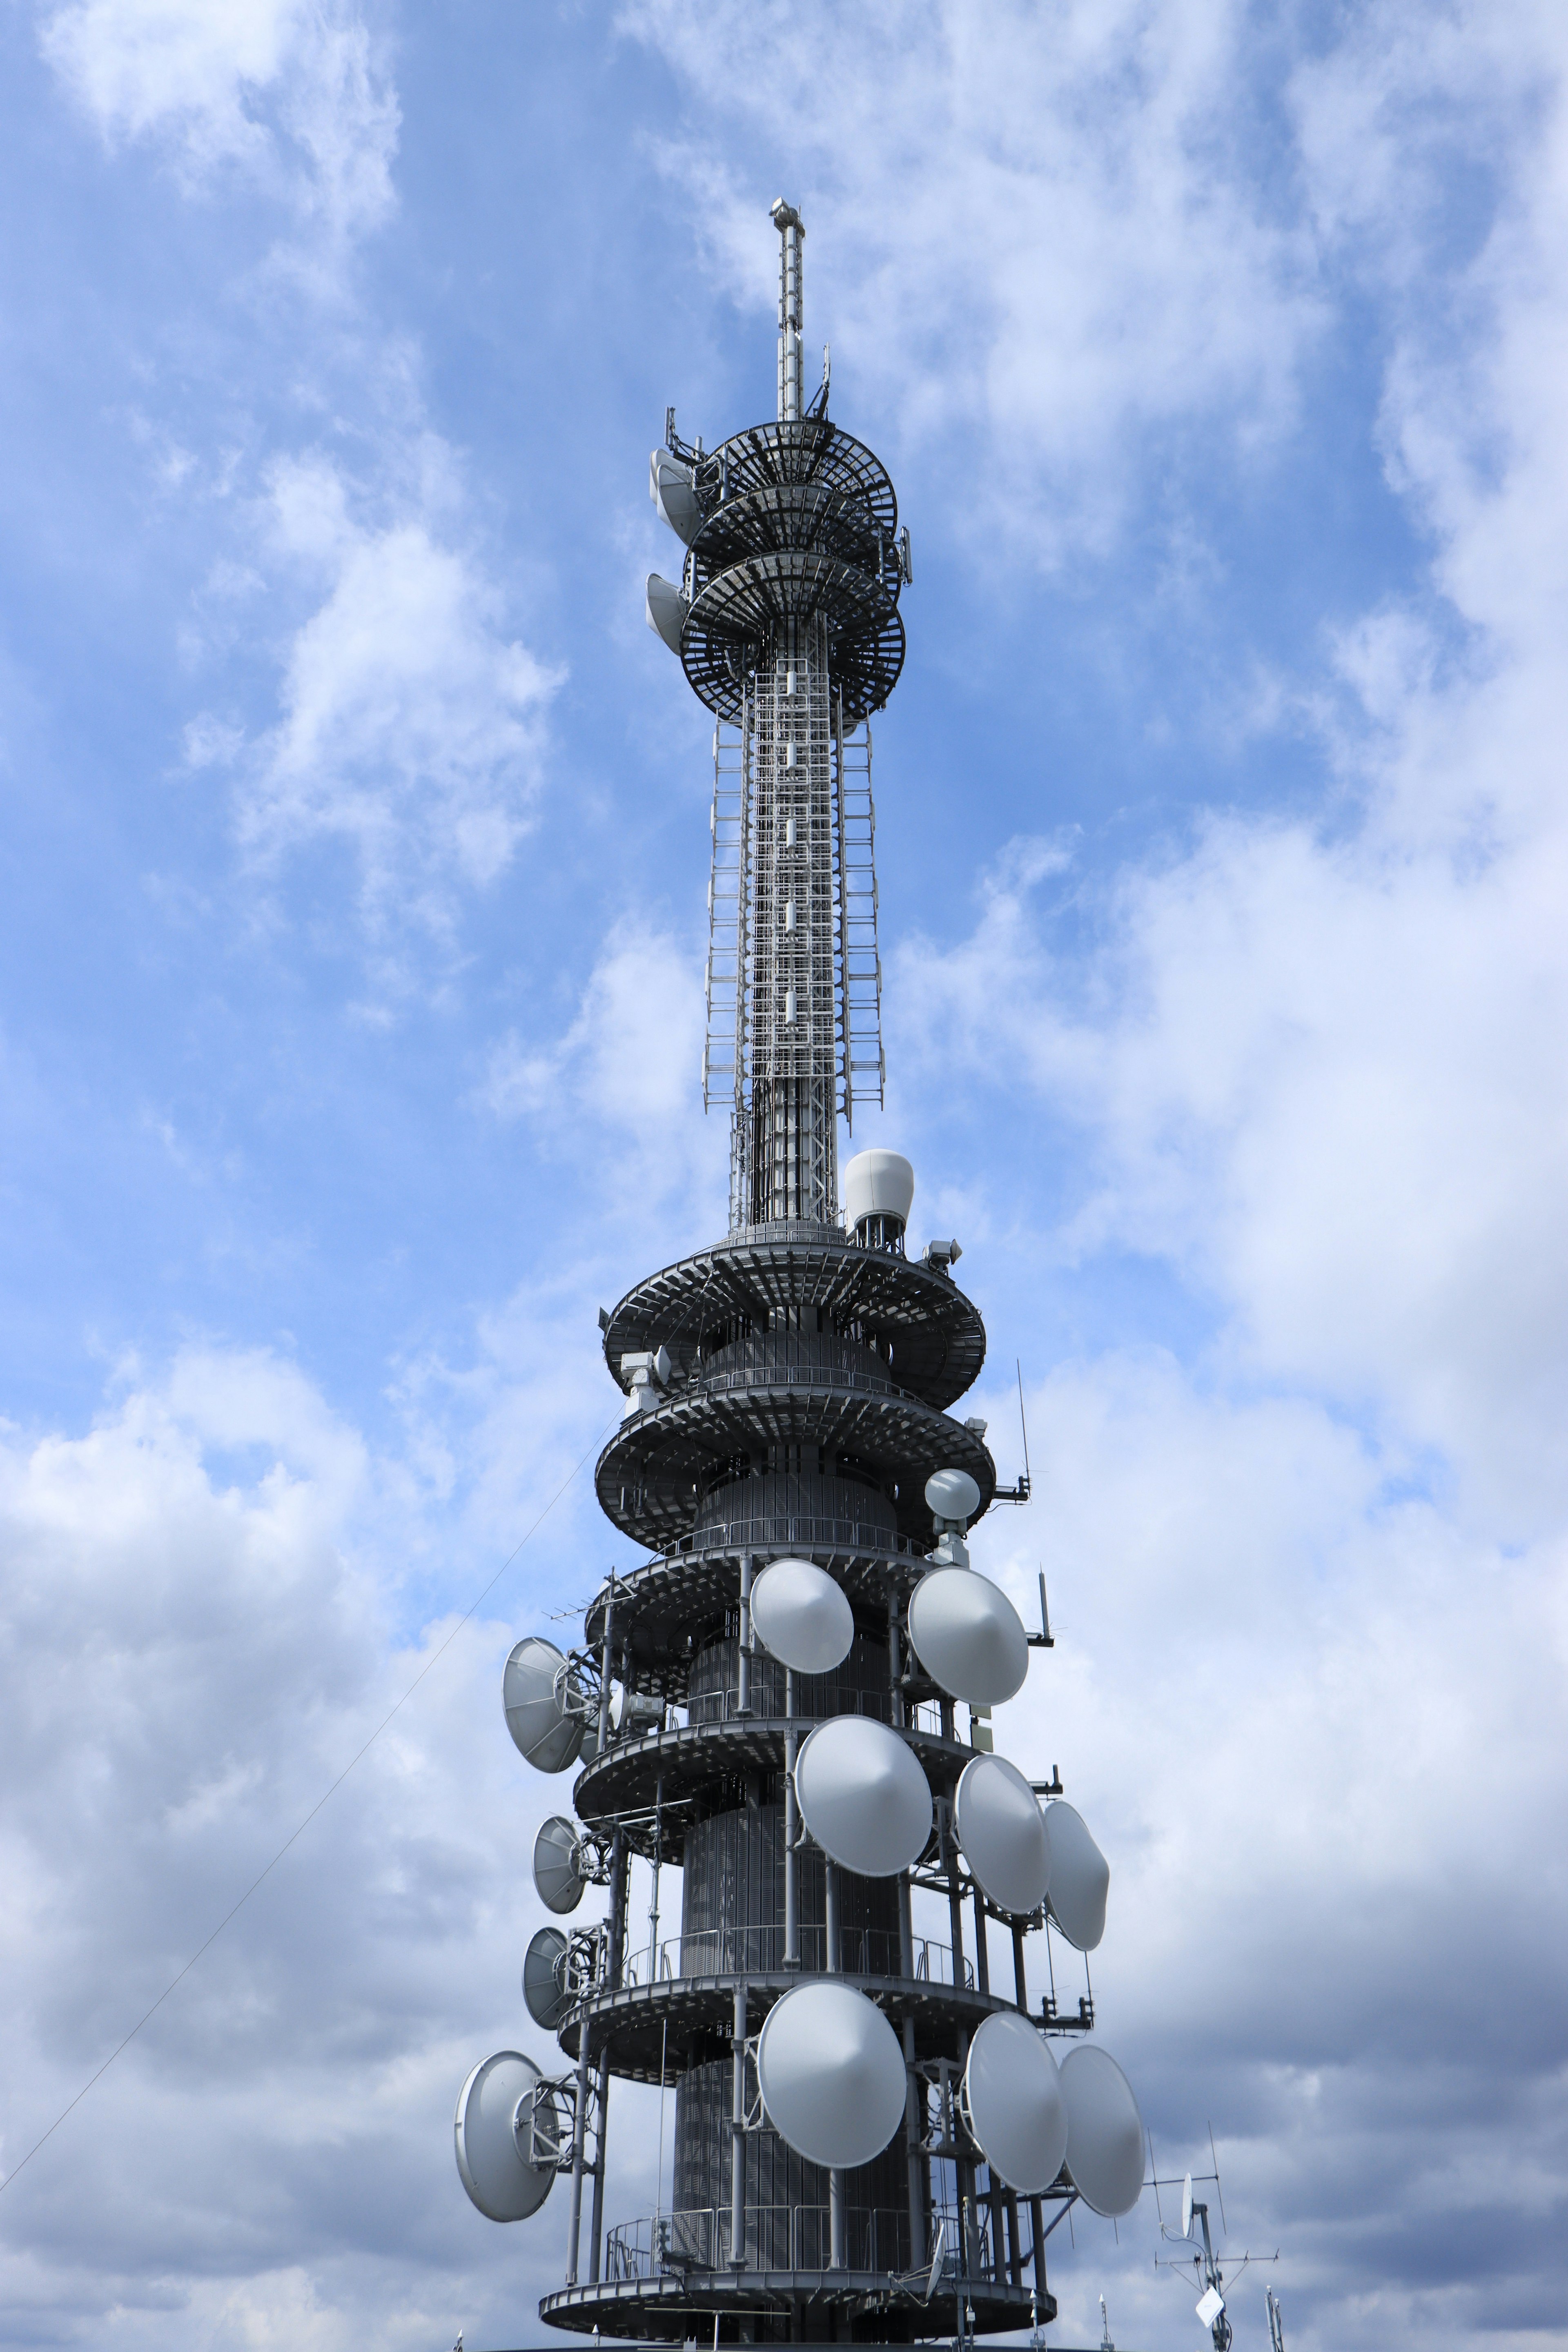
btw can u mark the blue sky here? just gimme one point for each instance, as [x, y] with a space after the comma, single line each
[354, 842]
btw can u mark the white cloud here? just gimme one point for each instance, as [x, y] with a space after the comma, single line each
[1046, 226]
[411, 724]
[295, 96]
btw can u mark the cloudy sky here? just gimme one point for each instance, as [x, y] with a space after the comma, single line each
[355, 840]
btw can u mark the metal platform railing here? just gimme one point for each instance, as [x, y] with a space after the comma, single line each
[777, 2238]
[759, 1951]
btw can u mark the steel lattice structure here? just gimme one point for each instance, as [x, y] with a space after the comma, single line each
[789, 1393]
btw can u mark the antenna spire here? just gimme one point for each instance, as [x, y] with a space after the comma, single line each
[792, 236]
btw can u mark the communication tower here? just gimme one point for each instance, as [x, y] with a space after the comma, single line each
[866, 2130]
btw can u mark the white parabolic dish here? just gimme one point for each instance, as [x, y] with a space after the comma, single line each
[1013, 2092]
[547, 1737]
[547, 2003]
[801, 1617]
[952, 1494]
[863, 1796]
[489, 2160]
[1081, 1877]
[968, 1636]
[557, 1873]
[1105, 2132]
[831, 2075]
[1003, 1833]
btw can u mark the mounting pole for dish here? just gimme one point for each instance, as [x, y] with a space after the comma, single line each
[792, 236]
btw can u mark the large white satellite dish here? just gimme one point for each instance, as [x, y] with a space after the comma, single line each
[968, 1636]
[1081, 1877]
[801, 1617]
[831, 2074]
[495, 2112]
[1012, 2096]
[1003, 1833]
[547, 1999]
[1105, 2132]
[558, 1865]
[952, 1494]
[863, 1796]
[673, 493]
[534, 1689]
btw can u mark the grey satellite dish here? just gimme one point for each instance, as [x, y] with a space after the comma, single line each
[831, 2074]
[801, 1617]
[1014, 2103]
[667, 611]
[1187, 2207]
[1003, 1833]
[1105, 2132]
[558, 1865]
[863, 1796]
[495, 2115]
[968, 1635]
[1081, 1877]
[952, 1495]
[534, 1690]
[546, 1998]
[670, 487]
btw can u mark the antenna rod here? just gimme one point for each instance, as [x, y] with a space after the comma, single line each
[791, 235]
[1023, 1424]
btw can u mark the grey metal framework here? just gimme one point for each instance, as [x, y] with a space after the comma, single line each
[799, 1398]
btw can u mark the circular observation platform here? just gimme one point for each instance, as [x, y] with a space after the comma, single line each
[694, 1584]
[797, 452]
[655, 1474]
[738, 615]
[698, 1758]
[816, 2306]
[805, 1277]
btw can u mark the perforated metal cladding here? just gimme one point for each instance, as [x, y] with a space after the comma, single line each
[857, 1686]
[731, 1915]
[786, 2198]
[787, 1506]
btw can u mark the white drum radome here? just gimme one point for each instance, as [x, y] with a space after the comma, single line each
[496, 2099]
[546, 1998]
[1013, 2095]
[863, 1796]
[1105, 2132]
[968, 1636]
[952, 1494]
[546, 1733]
[831, 2074]
[801, 1617]
[1081, 1877]
[1003, 1833]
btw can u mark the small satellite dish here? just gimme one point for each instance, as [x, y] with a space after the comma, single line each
[1105, 2132]
[1012, 2099]
[936, 2255]
[1079, 1880]
[1003, 1833]
[1187, 2207]
[558, 1865]
[863, 1796]
[667, 610]
[952, 1495]
[546, 1998]
[968, 1635]
[547, 1735]
[801, 1617]
[831, 2074]
[495, 2115]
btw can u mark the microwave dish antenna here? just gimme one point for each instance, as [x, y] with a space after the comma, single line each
[558, 1876]
[1002, 1831]
[1080, 1878]
[494, 2127]
[863, 1796]
[1014, 2104]
[968, 1636]
[801, 1617]
[544, 1703]
[831, 2075]
[1105, 2132]
[544, 1995]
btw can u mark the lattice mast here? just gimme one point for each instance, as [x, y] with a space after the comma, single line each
[794, 985]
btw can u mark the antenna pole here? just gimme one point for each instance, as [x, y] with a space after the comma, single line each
[792, 236]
